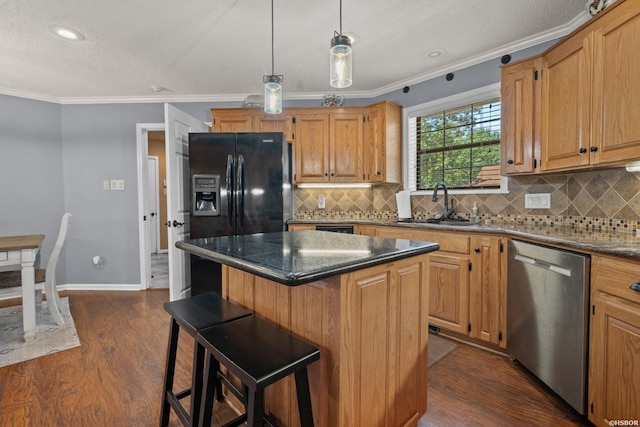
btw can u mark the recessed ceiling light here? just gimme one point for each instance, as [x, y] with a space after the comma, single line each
[159, 88]
[434, 53]
[67, 33]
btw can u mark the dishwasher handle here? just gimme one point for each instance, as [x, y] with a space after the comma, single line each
[543, 264]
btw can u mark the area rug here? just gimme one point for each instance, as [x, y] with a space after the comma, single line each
[438, 348]
[50, 338]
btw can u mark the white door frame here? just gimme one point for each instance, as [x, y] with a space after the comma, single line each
[142, 140]
[152, 192]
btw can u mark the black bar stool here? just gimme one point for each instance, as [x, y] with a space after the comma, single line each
[259, 354]
[192, 315]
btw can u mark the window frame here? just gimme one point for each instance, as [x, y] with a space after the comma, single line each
[408, 146]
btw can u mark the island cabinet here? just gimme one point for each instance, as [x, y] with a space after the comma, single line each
[614, 346]
[371, 328]
[328, 146]
[591, 95]
[520, 117]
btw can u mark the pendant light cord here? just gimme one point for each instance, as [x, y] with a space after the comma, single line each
[340, 17]
[272, 43]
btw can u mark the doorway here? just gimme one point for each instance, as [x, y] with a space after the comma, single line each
[152, 203]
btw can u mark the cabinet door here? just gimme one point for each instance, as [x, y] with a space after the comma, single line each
[384, 345]
[311, 148]
[232, 120]
[616, 92]
[346, 145]
[566, 108]
[374, 163]
[614, 381]
[274, 123]
[448, 292]
[520, 129]
[485, 289]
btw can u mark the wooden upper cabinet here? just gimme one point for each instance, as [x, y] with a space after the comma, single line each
[345, 147]
[337, 144]
[591, 94]
[521, 106]
[250, 120]
[232, 120]
[274, 123]
[311, 148]
[566, 108]
[383, 143]
[616, 90]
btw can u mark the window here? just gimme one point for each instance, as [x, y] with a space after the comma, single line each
[456, 140]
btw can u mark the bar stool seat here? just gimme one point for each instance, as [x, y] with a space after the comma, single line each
[258, 354]
[192, 315]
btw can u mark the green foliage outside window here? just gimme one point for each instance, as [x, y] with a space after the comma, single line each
[460, 146]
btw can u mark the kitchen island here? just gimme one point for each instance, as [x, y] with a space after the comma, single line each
[362, 300]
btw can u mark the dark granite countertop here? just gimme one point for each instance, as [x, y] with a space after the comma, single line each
[299, 257]
[616, 243]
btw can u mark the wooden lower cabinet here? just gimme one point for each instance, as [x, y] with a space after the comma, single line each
[449, 292]
[487, 293]
[614, 347]
[467, 289]
[300, 227]
[371, 326]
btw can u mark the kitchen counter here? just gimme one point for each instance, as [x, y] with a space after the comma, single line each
[363, 301]
[616, 243]
[299, 257]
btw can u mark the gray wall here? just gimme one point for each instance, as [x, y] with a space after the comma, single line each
[54, 159]
[31, 170]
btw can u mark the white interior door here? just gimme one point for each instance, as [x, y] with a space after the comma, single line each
[152, 203]
[178, 124]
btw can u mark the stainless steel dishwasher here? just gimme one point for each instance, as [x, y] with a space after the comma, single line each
[547, 316]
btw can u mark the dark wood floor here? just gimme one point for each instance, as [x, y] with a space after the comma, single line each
[115, 377]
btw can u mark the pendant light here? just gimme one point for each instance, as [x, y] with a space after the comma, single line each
[272, 83]
[340, 59]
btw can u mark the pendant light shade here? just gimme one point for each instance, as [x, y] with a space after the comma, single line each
[272, 94]
[340, 70]
[340, 62]
[272, 83]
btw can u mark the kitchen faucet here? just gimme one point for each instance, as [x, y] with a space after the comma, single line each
[447, 212]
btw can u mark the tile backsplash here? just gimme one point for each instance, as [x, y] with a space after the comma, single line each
[602, 200]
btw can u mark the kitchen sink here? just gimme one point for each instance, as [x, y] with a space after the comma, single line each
[439, 221]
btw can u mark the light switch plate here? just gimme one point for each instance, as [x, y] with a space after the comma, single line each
[106, 185]
[117, 184]
[537, 201]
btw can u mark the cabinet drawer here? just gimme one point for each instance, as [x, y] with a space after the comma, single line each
[448, 241]
[615, 276]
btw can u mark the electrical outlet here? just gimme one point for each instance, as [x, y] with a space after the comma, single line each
[321, 201]
[537, 201]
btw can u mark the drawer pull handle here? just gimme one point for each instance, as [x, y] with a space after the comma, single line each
[635, 287]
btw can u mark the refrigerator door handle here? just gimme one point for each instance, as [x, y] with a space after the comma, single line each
[240, 194]
[230, 190]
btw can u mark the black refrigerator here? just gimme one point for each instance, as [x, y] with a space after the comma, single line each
[239, 184]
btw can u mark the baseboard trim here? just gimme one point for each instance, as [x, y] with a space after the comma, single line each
[11, 293]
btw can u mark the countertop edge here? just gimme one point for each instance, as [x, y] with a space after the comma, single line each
[631, 251]
[312, 276]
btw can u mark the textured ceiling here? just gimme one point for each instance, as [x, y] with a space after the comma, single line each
[220, 49]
